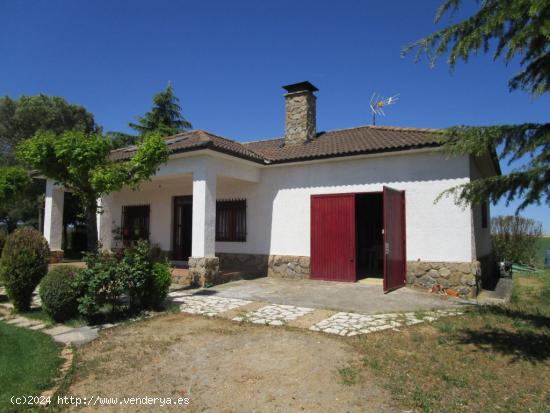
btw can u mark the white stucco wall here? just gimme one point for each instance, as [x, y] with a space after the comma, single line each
[278, 206]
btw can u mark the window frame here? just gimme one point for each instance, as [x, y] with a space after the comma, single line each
[145, 230]
[231, 213]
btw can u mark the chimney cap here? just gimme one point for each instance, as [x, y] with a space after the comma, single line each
[300, 87]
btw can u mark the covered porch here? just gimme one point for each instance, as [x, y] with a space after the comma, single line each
[175, 211]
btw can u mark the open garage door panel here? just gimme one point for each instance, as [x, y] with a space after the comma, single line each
[395, 257]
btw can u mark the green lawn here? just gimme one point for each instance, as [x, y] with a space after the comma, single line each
[29, 361]
[491, 359]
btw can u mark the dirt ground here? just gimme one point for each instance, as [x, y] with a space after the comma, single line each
[223, 366]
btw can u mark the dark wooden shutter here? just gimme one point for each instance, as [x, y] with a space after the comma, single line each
[333, 237]
[395, 257]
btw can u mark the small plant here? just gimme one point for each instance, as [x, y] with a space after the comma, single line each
[59, 292]
[160, 284]
[23, 264]
[348, 375]
[446, 327]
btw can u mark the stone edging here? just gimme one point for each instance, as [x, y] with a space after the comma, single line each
[68, 356]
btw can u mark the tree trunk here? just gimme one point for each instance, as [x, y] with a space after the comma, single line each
[91, 228]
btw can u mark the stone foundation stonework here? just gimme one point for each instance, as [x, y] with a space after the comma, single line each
[288, 266]
[249, 264]
[204, 271]
[462, 277]
[56, 256]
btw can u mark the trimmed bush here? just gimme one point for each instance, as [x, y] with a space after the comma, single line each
[59, 292]
[23, 264]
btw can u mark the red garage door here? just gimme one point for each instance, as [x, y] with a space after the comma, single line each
[395, 259]
[333, 237]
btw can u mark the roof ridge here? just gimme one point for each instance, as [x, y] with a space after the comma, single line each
[388, 127]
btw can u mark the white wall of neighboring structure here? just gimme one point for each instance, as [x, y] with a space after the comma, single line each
[278, 205]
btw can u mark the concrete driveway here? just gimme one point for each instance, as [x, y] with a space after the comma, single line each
[350, 297]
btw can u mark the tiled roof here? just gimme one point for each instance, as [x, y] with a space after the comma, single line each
[195, 140]
[343, 142]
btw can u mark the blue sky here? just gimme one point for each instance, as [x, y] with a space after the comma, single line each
[228, 61]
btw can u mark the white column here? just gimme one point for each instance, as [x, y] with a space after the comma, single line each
[53, 215]
[104, 223]
[204, 212]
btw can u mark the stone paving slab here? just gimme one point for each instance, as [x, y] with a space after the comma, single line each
[24, 322]
[58, 329]
[351, 324]
[275, 314]
[77, 336]
[208, 305]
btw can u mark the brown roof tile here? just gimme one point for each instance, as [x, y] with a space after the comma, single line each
[195, 140]
[343, 142]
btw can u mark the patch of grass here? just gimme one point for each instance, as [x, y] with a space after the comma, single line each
[543, 245]
[423, 400]
[38, 314]
[492, 358]
[41, 315]
[29, 361]
[349, 375]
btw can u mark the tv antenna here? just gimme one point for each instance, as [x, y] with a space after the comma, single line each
[378, 102]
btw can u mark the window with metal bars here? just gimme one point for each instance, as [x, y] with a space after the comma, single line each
[231, 220]
[135, 223]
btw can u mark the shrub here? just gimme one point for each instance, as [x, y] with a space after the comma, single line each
[59, 292]
[131, 274]
[23, 264]
[514, 238]
[161, 280]
[3, 236]
[102, 284]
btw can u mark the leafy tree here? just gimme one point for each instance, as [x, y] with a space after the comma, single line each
[23, 117]
[121, 139]
[20, 119]
[165, 117]
[81, 163]
[515, 238]
[521, 29]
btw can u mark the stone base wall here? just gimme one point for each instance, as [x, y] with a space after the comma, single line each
[247, 264]
[456, 278]
[288, 266]
[205, 271]
[56, 256]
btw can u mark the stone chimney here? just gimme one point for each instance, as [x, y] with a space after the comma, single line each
[300, 113]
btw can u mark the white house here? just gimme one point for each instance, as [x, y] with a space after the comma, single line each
[337, 205]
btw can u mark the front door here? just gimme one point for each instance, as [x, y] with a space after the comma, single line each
[333, 237]
[182, 227]
[395, 258]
